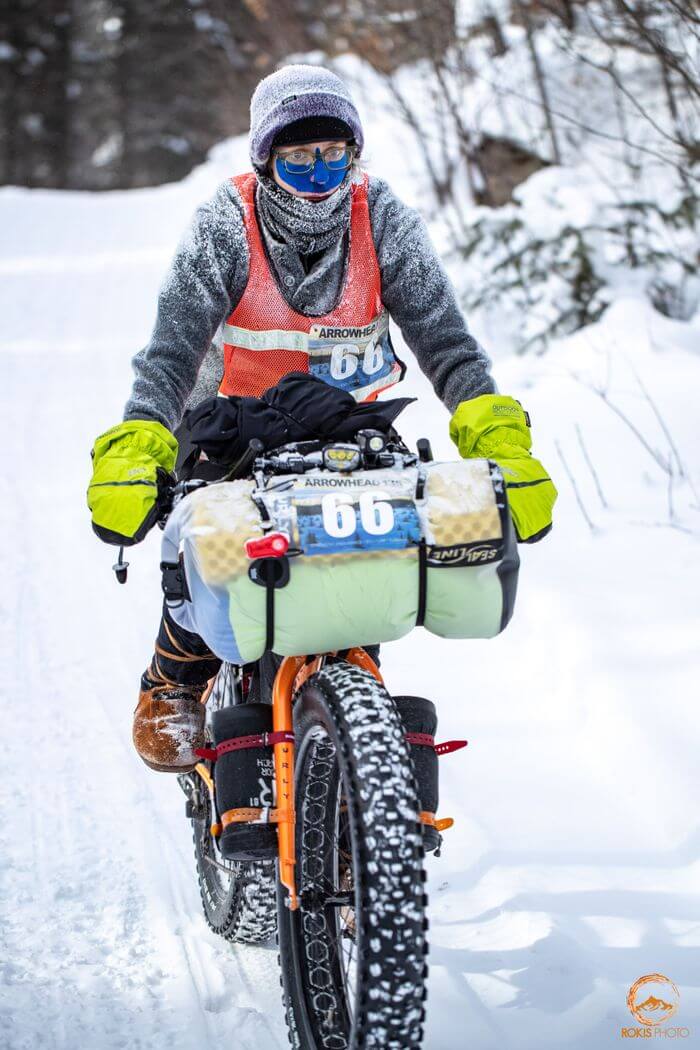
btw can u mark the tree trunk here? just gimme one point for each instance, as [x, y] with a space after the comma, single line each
[540, 79]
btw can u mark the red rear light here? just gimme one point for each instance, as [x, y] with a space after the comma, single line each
[271, 545]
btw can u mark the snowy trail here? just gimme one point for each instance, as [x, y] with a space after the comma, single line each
[108, 943]
[575, 863]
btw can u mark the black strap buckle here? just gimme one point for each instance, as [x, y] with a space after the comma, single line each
[270, 572]
[174, 582]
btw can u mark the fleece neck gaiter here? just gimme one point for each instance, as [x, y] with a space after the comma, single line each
[307, 226]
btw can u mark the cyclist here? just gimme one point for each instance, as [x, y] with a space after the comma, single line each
[273, 273]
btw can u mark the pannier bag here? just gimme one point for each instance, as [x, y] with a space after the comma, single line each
[371, 555]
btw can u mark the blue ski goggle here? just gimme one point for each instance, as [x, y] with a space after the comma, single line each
[314, 172]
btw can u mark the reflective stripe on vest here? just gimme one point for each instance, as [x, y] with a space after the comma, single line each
[265, 338]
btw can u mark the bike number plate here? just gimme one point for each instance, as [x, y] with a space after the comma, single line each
[349, 518]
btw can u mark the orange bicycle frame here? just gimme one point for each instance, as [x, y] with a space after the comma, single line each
[291, 675]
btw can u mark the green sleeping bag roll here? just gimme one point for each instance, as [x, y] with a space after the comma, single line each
[371, 554]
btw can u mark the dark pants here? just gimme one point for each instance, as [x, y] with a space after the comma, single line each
[180, 657]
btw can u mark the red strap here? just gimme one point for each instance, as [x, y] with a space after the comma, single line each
[284, 736]
[239, 743]
[425, 740]
[208, 753]
[449, 746]
[421, 738]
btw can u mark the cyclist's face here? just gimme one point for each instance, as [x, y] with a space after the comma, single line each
[310, 147]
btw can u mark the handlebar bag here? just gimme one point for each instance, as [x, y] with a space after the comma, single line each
[372, 554]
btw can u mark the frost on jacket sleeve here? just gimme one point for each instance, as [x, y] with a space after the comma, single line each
[205, 281]
[420, 298]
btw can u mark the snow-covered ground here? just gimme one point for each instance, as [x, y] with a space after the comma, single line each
[575, 862]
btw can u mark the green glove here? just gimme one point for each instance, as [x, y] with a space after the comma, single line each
[496, 427]
[130, 479]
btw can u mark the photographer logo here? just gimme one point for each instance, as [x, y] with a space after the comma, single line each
[652, 1001]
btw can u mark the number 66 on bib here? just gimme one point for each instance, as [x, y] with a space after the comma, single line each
[359, 360]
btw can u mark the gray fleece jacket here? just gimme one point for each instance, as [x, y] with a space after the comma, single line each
[182, 361]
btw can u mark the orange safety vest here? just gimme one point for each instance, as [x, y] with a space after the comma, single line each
[265, 338]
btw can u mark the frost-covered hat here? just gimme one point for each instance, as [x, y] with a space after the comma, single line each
[312, 129]
[292, 94]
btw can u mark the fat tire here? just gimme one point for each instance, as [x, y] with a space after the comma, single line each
[238, 898]
[345, 711]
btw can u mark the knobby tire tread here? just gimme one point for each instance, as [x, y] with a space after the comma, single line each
[362, 722]
[246, 912]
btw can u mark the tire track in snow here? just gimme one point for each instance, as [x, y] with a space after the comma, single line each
[103, 945]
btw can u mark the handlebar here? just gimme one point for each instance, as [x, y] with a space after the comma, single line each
[291, 462]
[371, 451]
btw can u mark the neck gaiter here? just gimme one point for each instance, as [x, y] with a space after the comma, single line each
[307, 226]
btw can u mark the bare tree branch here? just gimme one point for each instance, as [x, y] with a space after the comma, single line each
[589, 463]
[577, 494]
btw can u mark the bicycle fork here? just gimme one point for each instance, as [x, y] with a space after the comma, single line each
[291, 675]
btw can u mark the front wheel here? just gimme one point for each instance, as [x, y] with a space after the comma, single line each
[353, 954]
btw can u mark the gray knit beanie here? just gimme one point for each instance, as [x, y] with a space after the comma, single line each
[292, 93]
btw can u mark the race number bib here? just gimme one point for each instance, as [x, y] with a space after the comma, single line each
[358, 360]
[347, 515]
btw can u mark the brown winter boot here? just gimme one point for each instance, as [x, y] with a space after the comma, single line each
[169, 725]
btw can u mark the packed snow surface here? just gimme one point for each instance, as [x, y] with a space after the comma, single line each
[574, 865]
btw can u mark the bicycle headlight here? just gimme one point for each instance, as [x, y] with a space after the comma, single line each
[371, 441]
[341, 457]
